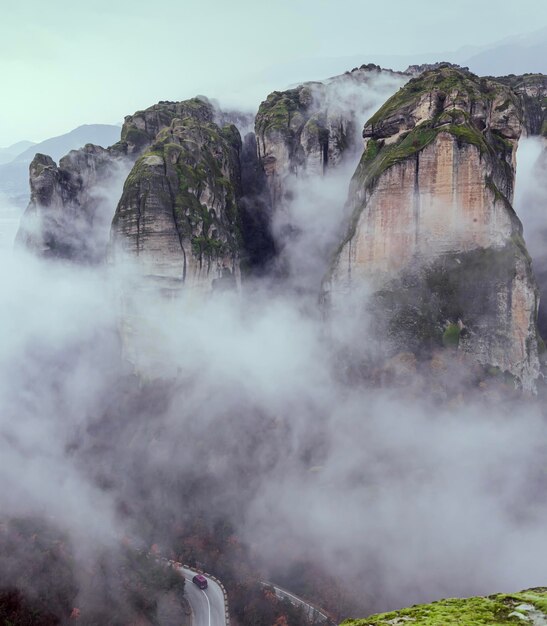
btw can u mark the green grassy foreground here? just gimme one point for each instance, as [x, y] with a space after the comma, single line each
[525, 607]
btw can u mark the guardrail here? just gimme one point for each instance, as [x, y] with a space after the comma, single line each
[314, 612]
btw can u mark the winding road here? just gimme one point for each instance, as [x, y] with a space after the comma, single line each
[208, 608]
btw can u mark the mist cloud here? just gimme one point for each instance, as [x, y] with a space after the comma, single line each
[128, 414]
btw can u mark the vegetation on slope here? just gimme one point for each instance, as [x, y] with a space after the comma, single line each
[495, 610]
[42, 582]
[466, 91]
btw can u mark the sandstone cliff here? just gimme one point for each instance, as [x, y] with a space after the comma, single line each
[178, 215]
[432, 230]
[531, 90]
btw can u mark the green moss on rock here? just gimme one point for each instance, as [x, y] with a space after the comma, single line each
[441, 80]
[395, 119]
[193, 167]
[495, 610]
[277, 111]
[135, 136]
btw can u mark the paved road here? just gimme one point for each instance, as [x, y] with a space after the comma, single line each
[207, 605]
[208, 608]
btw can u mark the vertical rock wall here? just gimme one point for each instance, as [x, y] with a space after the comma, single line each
[432, 222]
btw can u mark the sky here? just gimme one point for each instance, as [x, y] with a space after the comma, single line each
[66, 63]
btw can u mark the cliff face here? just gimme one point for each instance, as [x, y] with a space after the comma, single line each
[64, 217]
[68, 200]
[178, 214]
[309, 129]
[531, 90]
[432, 230]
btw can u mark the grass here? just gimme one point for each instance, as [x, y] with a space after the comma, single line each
[496, 610]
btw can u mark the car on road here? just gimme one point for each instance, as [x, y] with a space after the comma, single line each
[200, 581]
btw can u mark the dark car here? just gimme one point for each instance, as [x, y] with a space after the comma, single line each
[200, 581]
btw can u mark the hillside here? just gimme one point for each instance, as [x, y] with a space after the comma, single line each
[525, 607]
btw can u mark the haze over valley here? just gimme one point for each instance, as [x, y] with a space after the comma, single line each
[287, 335]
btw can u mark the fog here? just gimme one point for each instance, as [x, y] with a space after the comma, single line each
[9, 222]
[408, 498]
[310, 221]
[530, 202]
[125, 414]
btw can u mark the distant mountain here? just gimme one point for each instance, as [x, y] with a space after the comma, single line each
[513, 55]
[11, 152]
[56, 147]
[14, 174]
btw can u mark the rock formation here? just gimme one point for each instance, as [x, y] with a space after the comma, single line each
[432, 230]
[309, 128]
[68, 200]
[431, 226]
[531, 90]
[178, 215]
[65, 217]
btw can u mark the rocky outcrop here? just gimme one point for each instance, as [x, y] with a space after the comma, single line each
[432, 230]
[72, 204]
[310, 128]
[178, 215]
[531, 90]
[66, 216]
[141, 129]
[414, 70]
[524, 607]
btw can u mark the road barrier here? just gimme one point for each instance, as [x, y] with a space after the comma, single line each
[313, 612]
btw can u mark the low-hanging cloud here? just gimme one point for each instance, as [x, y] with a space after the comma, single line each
[125, 413]
[409, 499]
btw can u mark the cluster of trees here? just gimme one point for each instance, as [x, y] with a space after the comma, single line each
[216, 548]
[42, 584]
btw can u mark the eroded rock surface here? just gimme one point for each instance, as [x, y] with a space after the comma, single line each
[178, 215]
[72, 204]
[432, 230]
[310, 128]
[70, 208]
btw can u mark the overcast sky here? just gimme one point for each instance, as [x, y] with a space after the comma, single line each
[64, 63]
